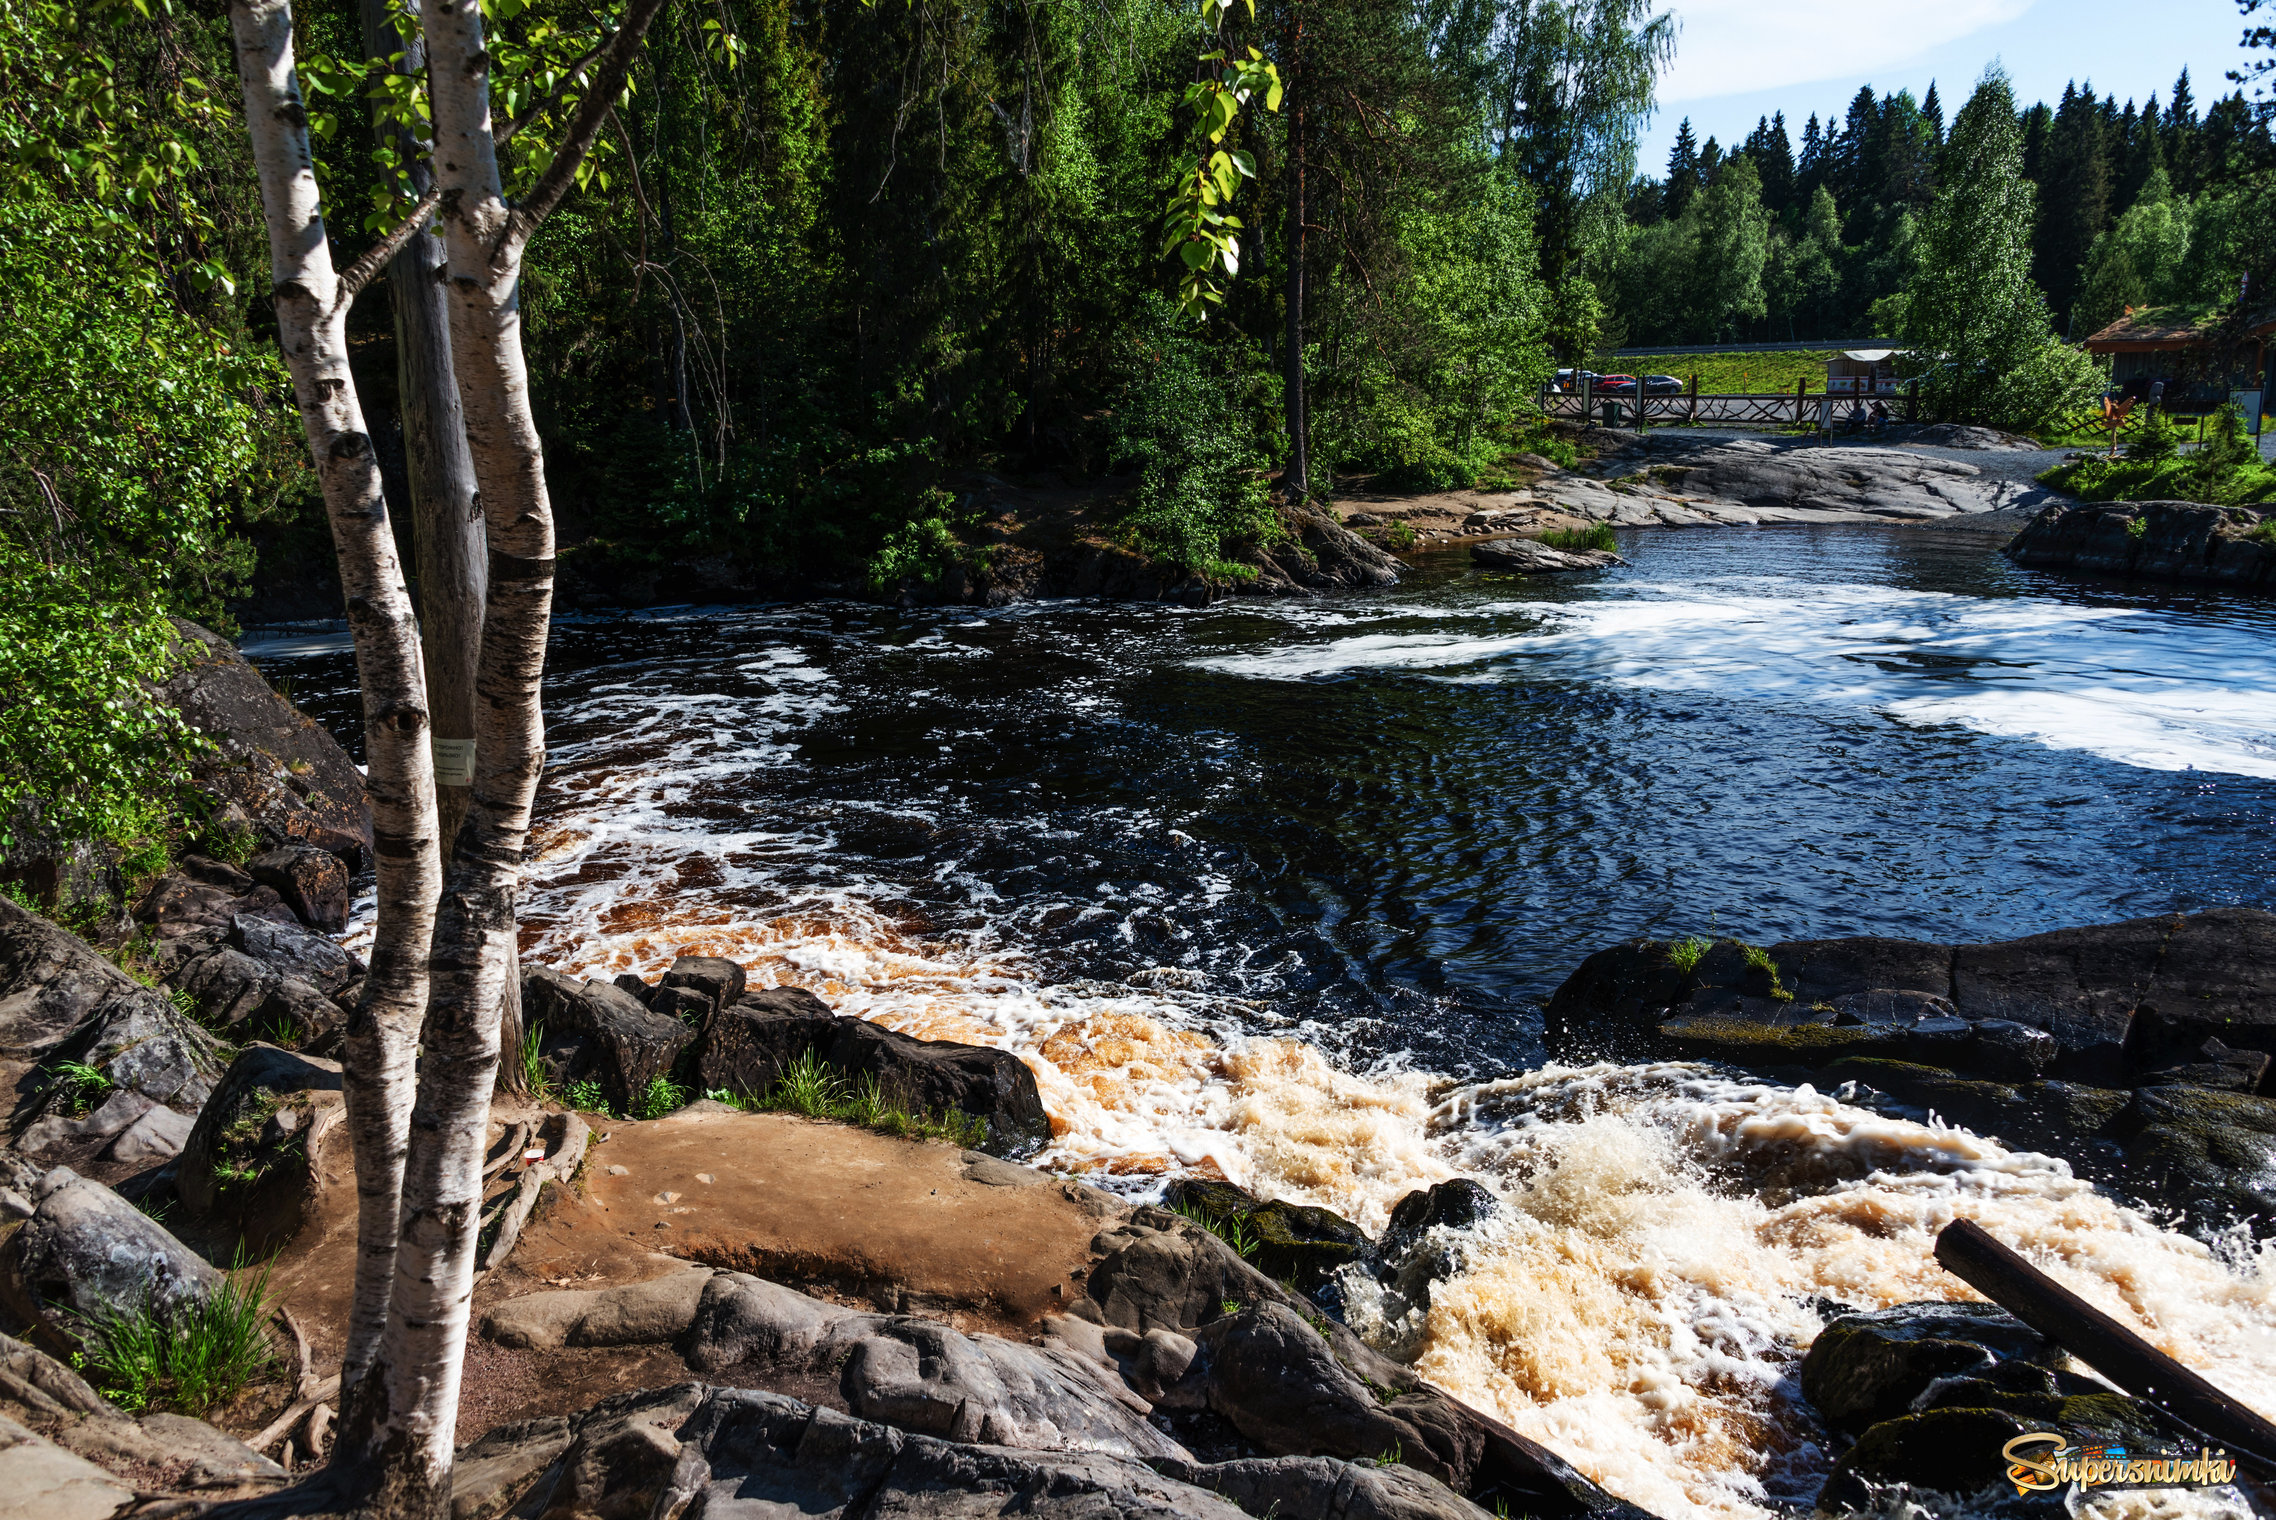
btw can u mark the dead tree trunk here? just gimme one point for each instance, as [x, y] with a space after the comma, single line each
[312, 305]
[1299, 478]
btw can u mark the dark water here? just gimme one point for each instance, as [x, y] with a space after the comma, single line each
[1401, 820]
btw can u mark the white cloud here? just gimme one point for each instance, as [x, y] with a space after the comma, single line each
[1729, 47]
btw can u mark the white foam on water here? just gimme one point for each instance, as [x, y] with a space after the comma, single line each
[2138, 686]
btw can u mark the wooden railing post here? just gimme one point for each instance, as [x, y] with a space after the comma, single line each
[1800, 386]
[1691, 411]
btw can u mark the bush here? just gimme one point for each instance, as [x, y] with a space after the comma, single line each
[1195, 415]
[2157, 441]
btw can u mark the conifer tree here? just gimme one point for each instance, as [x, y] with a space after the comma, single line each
[2181, 136]
[2074, 198]
[1932, 112]
[1682, 180]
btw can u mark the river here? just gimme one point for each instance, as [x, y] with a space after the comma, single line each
[1274, 890]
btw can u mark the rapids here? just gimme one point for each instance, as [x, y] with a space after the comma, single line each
[1273, 892]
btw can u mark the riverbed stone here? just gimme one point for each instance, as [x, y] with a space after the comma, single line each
[715, 979]
[2207, 1150]
[747, 1046]
[1869, 1367]
[1531, 557]
[53, 985]
[289, 950]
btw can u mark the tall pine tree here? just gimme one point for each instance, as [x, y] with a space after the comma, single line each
[1932, 112]
[1682, 181]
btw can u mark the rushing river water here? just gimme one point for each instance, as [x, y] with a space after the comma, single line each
[1275, 890]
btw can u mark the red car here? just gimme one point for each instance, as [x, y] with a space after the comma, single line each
[1615, 385]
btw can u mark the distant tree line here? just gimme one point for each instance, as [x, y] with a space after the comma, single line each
[2133, 205]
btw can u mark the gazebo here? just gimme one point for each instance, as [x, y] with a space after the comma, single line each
[1862, 371]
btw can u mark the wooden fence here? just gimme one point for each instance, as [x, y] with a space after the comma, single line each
[1799, 407]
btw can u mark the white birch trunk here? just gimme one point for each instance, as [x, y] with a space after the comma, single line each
[412, 1428]
[311, 304]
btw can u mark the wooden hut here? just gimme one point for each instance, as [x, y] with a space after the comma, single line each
[1862, 372]
[2181, 345]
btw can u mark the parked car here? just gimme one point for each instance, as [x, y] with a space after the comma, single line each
[1615, 385]
[1662, 385]
[1568, 381]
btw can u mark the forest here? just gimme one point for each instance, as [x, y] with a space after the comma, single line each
[2137, 206]
[825, 264]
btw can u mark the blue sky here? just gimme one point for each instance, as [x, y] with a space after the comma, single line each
[1737, 60]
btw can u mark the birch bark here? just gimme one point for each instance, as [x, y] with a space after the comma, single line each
[312, 302]
[410, 1428]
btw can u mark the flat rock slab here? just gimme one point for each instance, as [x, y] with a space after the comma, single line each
[41, 1478]
[1531, 557]
[899, 1225]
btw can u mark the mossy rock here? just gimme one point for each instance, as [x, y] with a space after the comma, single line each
[1744, 1042]
[1867, 1368]
[2204, 1149]
[1953, 1451]
[1291, 1241]
[251, 1158]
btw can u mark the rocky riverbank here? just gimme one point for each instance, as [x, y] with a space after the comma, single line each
[2230, 547]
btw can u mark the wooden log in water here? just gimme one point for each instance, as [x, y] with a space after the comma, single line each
[1969, 1253]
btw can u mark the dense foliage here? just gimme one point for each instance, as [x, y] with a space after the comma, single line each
[2131, 206]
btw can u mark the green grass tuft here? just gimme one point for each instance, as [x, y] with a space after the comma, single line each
[586, 1097]
[1684, 954]
[1572, 540]
[809, 1086]
[204, 1352]
[83, 1086]
[661, 1097]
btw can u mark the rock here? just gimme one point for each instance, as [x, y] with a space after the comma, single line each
[253, 1157]
[593, 1031]
[1954, 1451]
[1455, 1205]
[1294, 1242]
[40, 1391]
[312, 882]
[41, 1478]
[1954, 435]
[2113, 1001]
[2201, 1149]
[1296, 1374]
[655, 1312]
[226, 985]
[1529, 557]
[176, 905]
[214, 873]
[1316, 1488]
[683, 1003]
[158, 1135]
[1866, 1368]
[747, 1045]
[110, 1117]
[88, 1248]
[53, 985]
[288, 951]
[2215, 1065]
[739, 1454]
[717, 981]
[489, 1475]
[2177, 540]
[289, 780]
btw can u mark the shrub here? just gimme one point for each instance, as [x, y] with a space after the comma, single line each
[661, 1096]
[586, 1097]
[2158, 440]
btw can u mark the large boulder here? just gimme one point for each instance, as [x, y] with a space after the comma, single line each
[52, 984]
[1529, 556]
[595, 1031]
[289, 781]
[289, 951]
[254, 1157]
[1869, 1367]
[750, 1043]
[86, 1249]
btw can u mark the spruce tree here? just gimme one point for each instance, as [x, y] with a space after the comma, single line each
[1773, 154]
[2181, 137]
[1932, 112]
[1810, 166]
[2074, 198]
[1682, 181]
